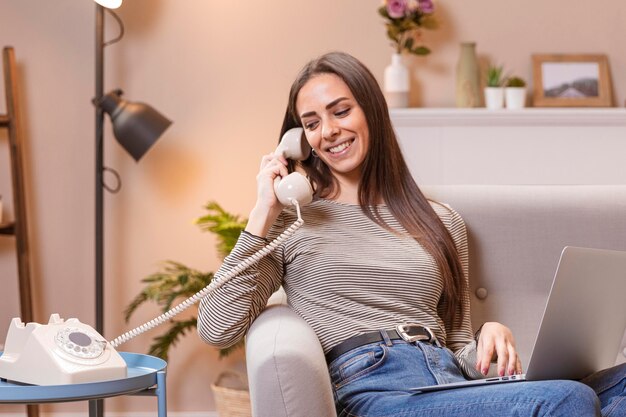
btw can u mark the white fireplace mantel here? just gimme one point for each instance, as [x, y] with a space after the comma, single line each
[529, 146]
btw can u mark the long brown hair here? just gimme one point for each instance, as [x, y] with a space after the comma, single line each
[384, 174]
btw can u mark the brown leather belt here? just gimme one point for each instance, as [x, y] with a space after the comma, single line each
[408, 332]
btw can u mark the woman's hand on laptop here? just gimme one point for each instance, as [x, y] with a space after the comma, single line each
[496, 342]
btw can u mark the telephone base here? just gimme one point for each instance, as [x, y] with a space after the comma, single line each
[60, 352]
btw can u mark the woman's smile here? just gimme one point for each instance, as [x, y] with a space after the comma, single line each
[339, 149]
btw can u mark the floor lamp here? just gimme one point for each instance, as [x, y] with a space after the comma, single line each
[136, 126]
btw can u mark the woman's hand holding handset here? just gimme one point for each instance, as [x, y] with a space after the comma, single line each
[496, 341]
[267, 207]
[275, 186]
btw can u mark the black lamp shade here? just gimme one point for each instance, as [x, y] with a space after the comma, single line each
[136, 126]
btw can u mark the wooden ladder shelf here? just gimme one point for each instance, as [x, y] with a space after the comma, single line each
[17, 227]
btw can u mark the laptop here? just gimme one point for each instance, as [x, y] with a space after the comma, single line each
[583, 322]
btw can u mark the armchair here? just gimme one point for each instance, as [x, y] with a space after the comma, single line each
[516, 234]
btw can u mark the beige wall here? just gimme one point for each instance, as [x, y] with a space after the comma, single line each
[220, 70]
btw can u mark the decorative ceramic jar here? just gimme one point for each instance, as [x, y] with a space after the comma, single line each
[468, 77]
[396, 83]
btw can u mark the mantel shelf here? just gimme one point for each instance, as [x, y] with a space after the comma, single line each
[527, 146]
[431, 117]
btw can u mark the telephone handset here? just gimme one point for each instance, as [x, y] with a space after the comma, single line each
[295, 186]
[68, 351]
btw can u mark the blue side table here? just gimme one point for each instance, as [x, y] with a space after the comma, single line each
[145, 376]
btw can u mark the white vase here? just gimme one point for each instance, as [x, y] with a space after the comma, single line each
[396, 83]
[515, 97]
[494, 97]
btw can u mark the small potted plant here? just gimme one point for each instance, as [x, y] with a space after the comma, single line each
[494, 91]
[515, 93]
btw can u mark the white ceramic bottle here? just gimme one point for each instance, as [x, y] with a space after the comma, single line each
[396, 83]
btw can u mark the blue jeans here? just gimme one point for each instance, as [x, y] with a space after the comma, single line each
[374, 380]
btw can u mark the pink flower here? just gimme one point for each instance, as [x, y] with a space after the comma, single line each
[426, 6]
[396, 8]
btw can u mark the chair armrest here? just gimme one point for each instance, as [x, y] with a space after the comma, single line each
[287, 370]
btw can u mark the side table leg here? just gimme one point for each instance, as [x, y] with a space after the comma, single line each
[161, 394]
[32, 410]
[96, 408]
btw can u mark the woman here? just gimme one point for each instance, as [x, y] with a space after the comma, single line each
[375, 254]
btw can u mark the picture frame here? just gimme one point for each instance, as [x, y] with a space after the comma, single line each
[569, 80]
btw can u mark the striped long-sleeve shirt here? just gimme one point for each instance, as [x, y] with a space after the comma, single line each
[344, 275]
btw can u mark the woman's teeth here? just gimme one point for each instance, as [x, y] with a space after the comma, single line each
[340, 147]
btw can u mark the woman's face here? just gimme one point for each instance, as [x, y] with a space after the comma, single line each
[334, 125]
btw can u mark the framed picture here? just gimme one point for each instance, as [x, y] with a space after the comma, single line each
[571, 81]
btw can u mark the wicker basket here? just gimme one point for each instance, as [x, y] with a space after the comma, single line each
[232, 398]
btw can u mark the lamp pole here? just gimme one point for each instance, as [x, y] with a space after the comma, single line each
[99, 169]
[136, 126]
[96, 408]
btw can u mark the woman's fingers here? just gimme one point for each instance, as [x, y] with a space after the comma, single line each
[267, 207]
[518, 366]
[485, 354]
[274, 165]
[496, 342]
[270, 157]
[508, 359]
[514, 362]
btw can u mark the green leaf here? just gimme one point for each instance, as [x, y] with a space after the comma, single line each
[393, 32]
[495, 76]
[406, 25]
[383, 12]
[515, 81]
[420, 50]
[429, 22]
[226, 226]
[137, 301]
[169, 300]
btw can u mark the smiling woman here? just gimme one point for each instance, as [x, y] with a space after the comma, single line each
[379, 272]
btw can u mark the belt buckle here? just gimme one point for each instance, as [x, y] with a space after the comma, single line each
[404, 331]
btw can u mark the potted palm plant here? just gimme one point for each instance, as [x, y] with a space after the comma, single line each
[175, 282]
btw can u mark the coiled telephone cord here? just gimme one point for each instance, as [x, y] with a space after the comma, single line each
[215, 284]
